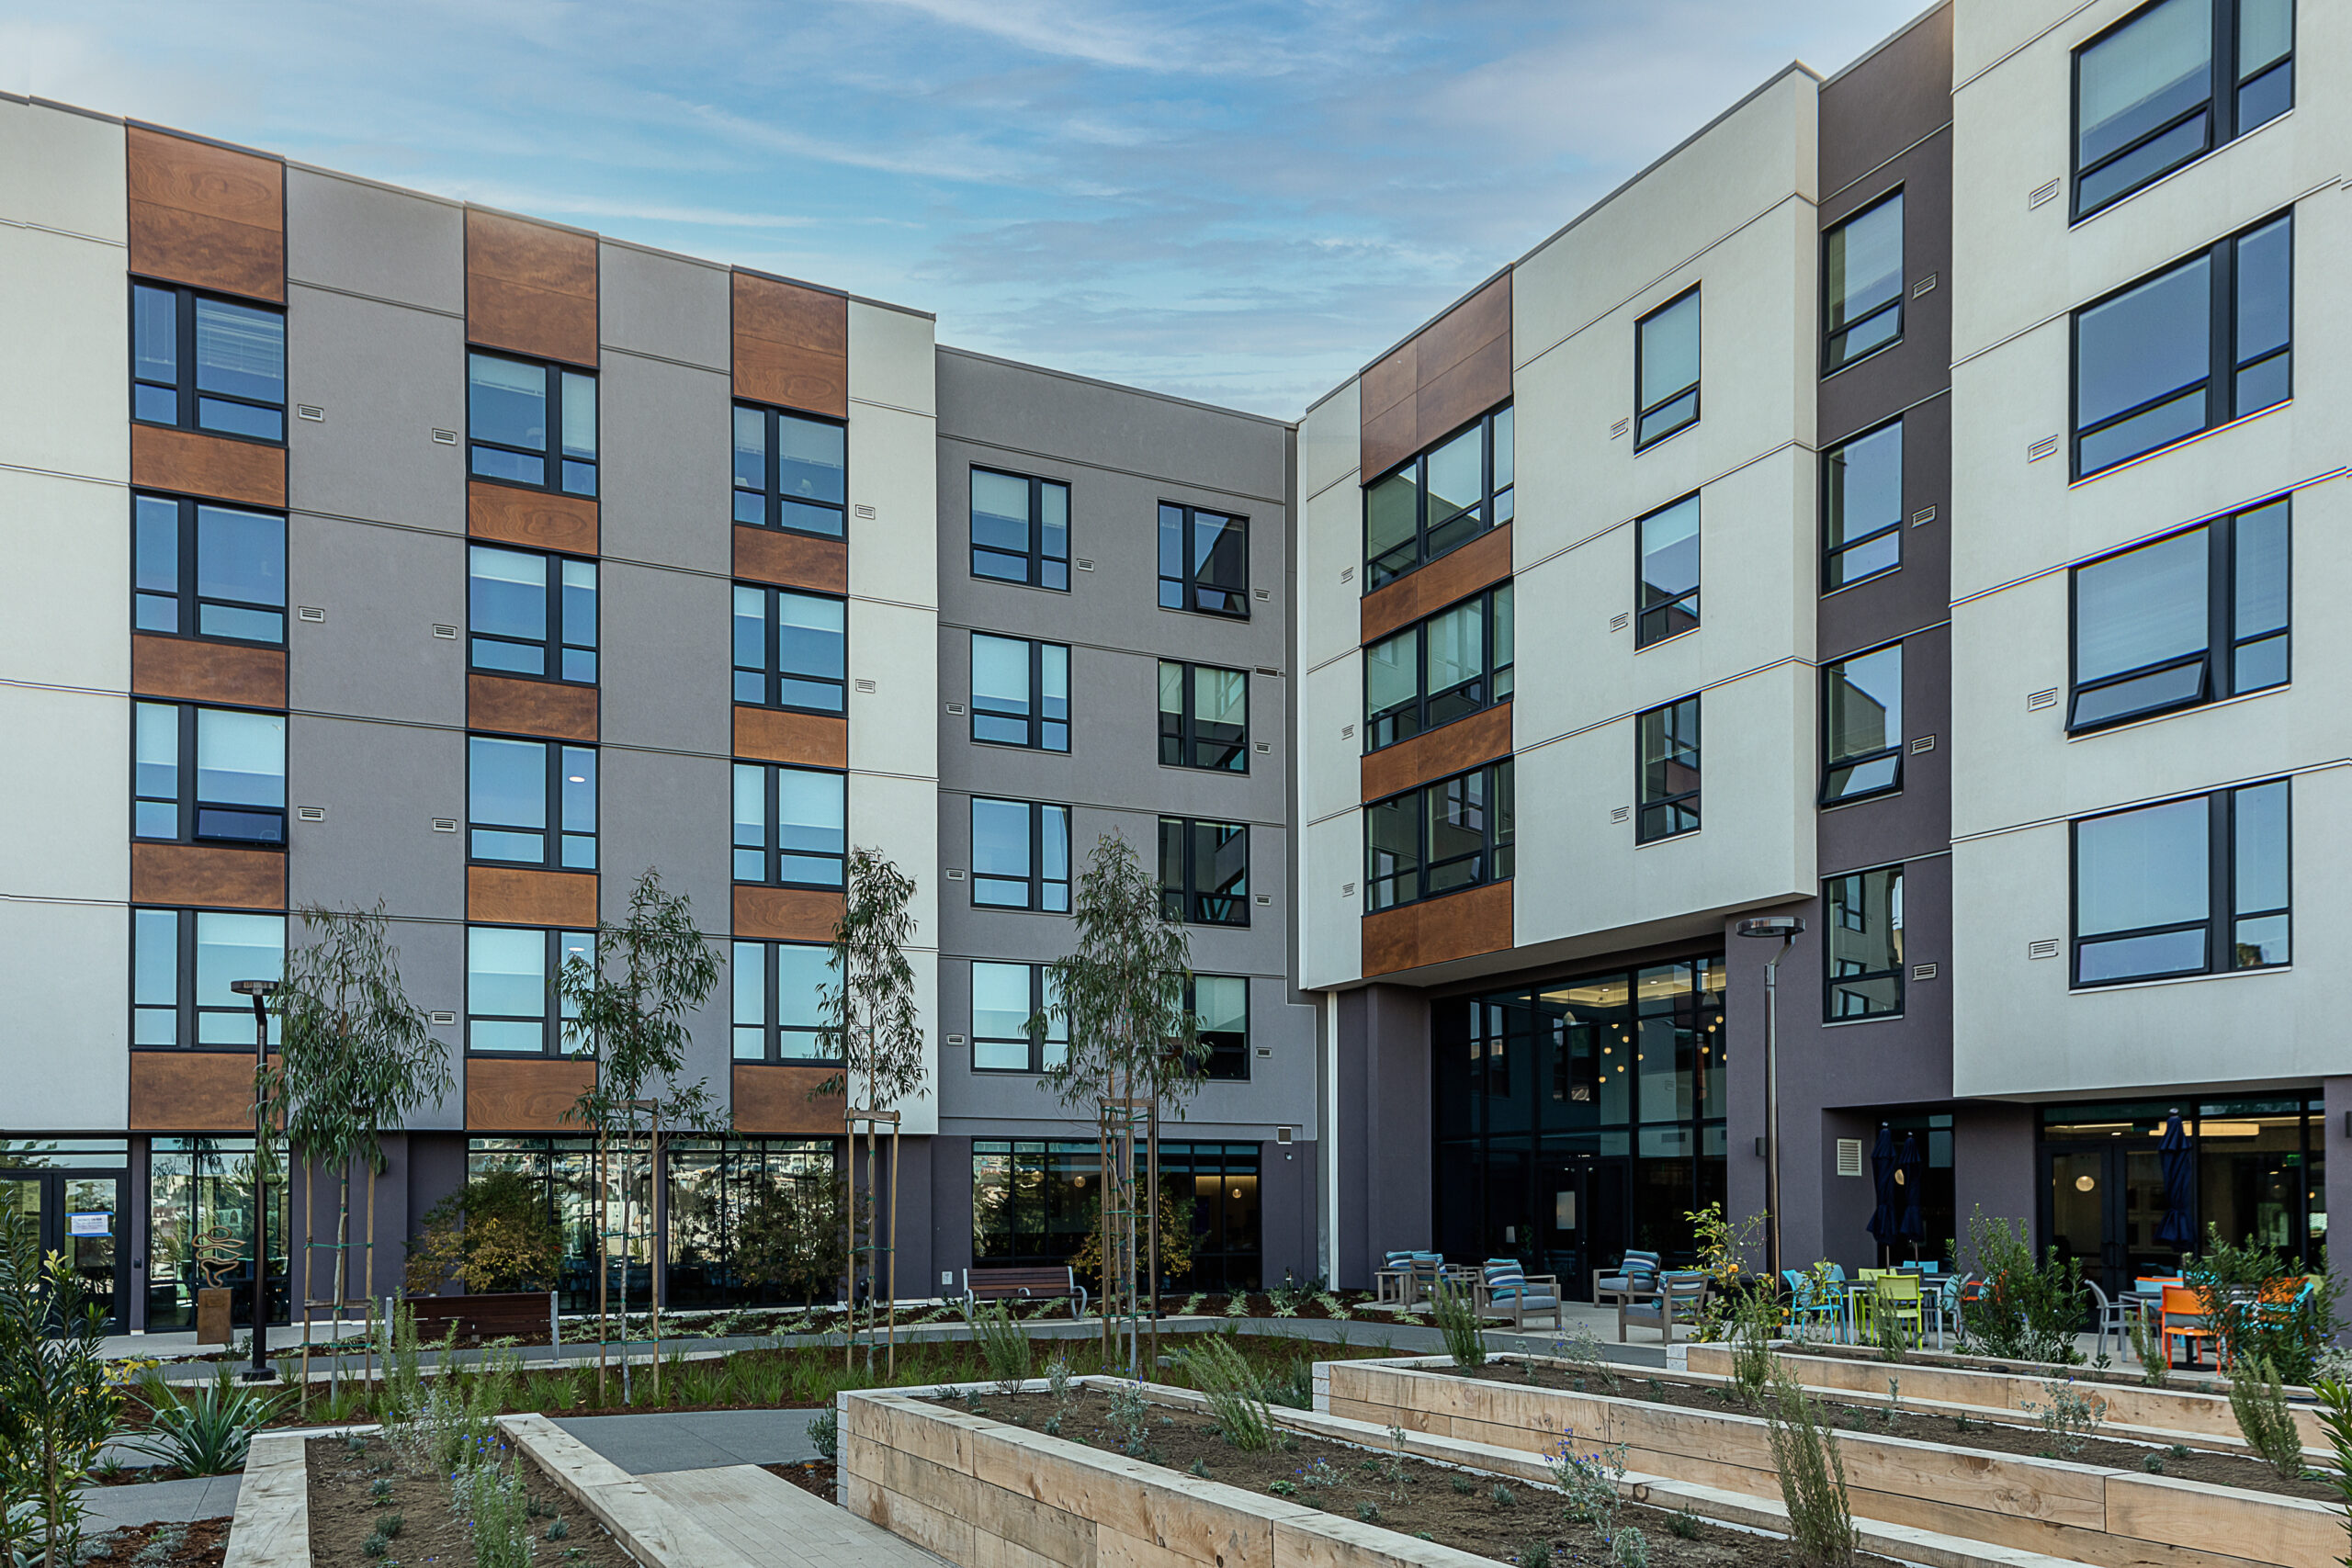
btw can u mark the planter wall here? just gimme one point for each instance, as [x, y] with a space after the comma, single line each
[2110, 1518]
[272, 1526]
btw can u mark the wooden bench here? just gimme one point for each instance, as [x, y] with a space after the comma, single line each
[488, 1316]
[1015, 1283]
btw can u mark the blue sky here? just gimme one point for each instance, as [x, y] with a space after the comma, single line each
[1238, 203]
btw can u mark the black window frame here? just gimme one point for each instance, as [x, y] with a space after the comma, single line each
[557, 639]
[188, 803]
[2223, 367]
[2221, 899]
[1644, 439]
[1497, 504]
[1193, 902]
[1035, 1040]
[1190, 584]
[1494, 676]
[1833, 553]
[1039, 897]
[1496, 857]
[2223, 110]
[1676, 802]
[1039, 727]
[1833, 984]
[1185, 742]
[1831, 361]
[189, 602]
[1688, 601]
[552, 454]
[555, 756]
[771, 1026]
[771, 848]
[184, 386]
[772, 675]
[1832, 763]
[2221, 627]
[772, 492]
[551, 1022]
[188, 1012]
[1228, 1059]
[1040, 564]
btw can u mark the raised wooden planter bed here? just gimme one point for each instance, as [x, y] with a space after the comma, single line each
[2111, 1517]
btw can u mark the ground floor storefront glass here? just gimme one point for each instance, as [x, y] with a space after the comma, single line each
[1579, 1118]
[564, 1169]
[1033, 1203]
[753, 1222]
[71, 1194]
[200, 1228]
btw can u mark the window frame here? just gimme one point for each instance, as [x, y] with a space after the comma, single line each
[1689, 600]
[2223, 367]
[1041, 888]
[1188, 904]
[1234, 1056]
[555, 642]
[552, 454]
[1187, 739]
[1491, 675]
[771, 496]
[556, 758]
[1831, 363]
[188, 600]
[1832, 554]
[1643, 440]
[1037, 561]
[1831, 981]
[551, 1023]
[1642, 803]
[774, 674]
[1831, 763]
[1493, 499]
[187, 1011]
[1035, 1040]
[771, 849]
[1497, 853]
[2220, 107]
[184, 391]
[2220, 626]
[771, 1023]
[1037, 724]
[188, 803]
[2221, 897]
[1190, 586]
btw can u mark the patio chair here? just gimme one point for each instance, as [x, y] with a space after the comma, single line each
[1391, 1282]
[1506, 1289]
[2183, 1319]
[1810, 1301]
[1865, 1305]
[2108, 1317]
[1680, 1297]
[1896, 1297]
[1637, 1271]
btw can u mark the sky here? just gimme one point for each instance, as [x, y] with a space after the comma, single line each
[1238, 203]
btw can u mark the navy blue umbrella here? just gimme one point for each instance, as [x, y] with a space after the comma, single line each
[2178, 1227]
[1882, 1219]
[1911, 1173]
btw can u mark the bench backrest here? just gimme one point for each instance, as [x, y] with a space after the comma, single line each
[1039, 1281]
[494, 1311]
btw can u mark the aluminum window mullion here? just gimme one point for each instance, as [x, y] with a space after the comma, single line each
[2221, 328]
[184, 329]
[771, 504]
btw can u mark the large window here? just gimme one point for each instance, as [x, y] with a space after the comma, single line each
[1019, 529]
[207, 364]
[531, 803]
[1204, 871]
[1668, 740]
[791, 826]
[1442, 498]
[1864, 948]
[1204, 716]
[2145, 90]
[207, 775]
[532, 423]
[199, 1191]
[514, 1005]
[1667, 593]
[1455, 663]
[1006, 999]
[791, 649]
[2187, 619]
[780, 1001]
[1665, 371]
[1861, 274]
[1033, 1202]
[2194, 886]
[182, 962]
[1203, 560]
[199, 569]
[790, 471]
[723, 1196]
[1862, 507]
[531, 615]
[1020, 855]
[2199, 344]
[1220, 1008]
[1862, 726]
[1019, 692]
[1440, 838]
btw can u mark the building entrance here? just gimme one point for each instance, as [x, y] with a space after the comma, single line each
[80, 1213]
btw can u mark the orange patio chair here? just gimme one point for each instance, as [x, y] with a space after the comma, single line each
[2183, 1319]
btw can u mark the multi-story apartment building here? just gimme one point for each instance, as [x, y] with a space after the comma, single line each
[1893, 511]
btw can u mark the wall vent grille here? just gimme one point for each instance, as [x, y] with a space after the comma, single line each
[445, 631]
[1262, 746]
[1621, 814]
[444, 824]
[1849, 1156]
[955, 1040]
[1265, 1050]
[309, 814]
[1924, 971]
[1347, 574]
[1261, 594]
[1925, 286]
[2042, 448]
[863, 508]
[1347, 732]
[443, 1018]
[1620, 428]
[954, 707]
[446, 437]
[2045, 948]
[310, 411]
[1619, 622]
[953, 874]
[1922, 746]
[1265, 900]
[1084, 564]
[864, 683]
[1282, 1134]
[1922, 517]
[1347, 889]
[309, 612]
[2040, 195]
[2036, 701]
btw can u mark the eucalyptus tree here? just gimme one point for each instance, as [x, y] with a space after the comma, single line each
[1132, 1042]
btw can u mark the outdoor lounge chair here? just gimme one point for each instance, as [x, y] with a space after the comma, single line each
[1677, 1298]
[1506, 1289]
[1638, 1271]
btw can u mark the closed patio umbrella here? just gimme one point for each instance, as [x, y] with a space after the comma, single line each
[1910, 1173]
[2178, 1227]
[1883, 1220]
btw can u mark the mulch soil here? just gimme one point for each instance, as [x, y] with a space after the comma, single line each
[814, 1477]
[344, 1513]
[1919, 1422]
[1494, 1518]
[200, 1544]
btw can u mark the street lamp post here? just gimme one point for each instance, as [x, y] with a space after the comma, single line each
[261, 1371]
[1787, 928]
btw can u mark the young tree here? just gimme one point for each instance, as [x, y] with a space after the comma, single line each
[1131, 1041]
[628, 1008]
[56, 1407]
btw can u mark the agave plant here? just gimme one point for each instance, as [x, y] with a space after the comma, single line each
[207, 1430]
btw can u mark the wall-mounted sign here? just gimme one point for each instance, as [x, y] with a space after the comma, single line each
[89, 1225]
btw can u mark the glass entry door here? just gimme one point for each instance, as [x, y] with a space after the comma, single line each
[81, 1215]
[2105, 1201]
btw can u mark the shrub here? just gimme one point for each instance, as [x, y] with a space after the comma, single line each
[1131, 1416]
[2259, 1402]
[2071, 1417]
[2336, 1420]
[1295, 1387]
[2290, 1337]
[1536, 1554]
[1057, 1378]
[793, 1235]
[1589, 1480]
[1631, 1548]
[1457, 1319]
[497, 1507]
[206, 1431]
[825, 1433]
[1236, 1398]
[2027, 1310]
[1004, 1346]
[57, 1408]
[2147, 1348]
[1753, 1323]
[1583, 1348]
[1812, 1477]
[495, 1234]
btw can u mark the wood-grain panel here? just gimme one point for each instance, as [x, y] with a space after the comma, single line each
[791, 560]
[1463, 392]
[791, 345]
[515, 896]
[1438, 753]
[189, 462]
[539, 519]
[786, 914]
[1442, 376]
[209, 875]
[804, 740]
[192, 1091]
[527, 1094]
[530, 288]
[1453, 577]
[530, 707]
[193, 670]
[1435, 931]
[776, 1097]
[206, 216]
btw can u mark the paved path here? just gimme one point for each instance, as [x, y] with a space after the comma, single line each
[702, 1440]
[161, 1502]
[776, 1524]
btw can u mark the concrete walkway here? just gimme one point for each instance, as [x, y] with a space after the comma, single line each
[160, 1502]
[701, 1439]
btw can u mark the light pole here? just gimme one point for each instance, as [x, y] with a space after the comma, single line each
[1786, 928]
[261, 1371]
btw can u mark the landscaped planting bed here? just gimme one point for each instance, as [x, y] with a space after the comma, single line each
[200, 1543]
[357, 1487]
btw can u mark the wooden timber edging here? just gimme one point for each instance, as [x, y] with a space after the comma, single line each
[649, 1530]
[272, 1524]
[2082, 1513]
[983, 1493]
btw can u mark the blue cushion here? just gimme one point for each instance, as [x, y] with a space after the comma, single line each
[1538, 1300]
[1398, 1259]
[1641, 1276]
